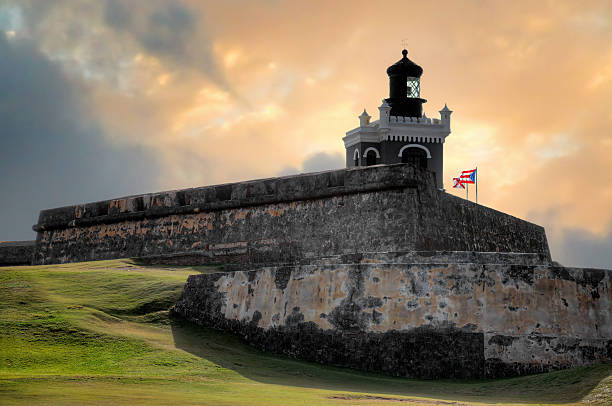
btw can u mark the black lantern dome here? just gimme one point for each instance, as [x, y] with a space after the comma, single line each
[405, 67]
[405, 88]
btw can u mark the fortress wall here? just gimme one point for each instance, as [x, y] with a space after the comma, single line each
[445, 320]
[16, 252]
[280, 220]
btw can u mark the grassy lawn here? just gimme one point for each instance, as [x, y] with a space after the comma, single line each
[98, 333]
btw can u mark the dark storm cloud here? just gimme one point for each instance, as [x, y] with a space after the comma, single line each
[117, 15]
[52, 152]
[165, 30]
[168, 30]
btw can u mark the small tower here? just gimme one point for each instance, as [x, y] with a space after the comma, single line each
[445, 114]
[402, 134]
[364, 119]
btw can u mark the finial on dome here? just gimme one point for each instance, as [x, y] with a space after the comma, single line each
[405, 67]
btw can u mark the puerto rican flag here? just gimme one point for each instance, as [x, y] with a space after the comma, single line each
[468, 176]
[458, 184]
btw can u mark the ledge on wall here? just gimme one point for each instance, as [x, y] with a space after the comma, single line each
[240, 194]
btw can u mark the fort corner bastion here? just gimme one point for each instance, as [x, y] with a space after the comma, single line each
[372, 267]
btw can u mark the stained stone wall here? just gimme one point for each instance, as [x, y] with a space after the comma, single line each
[16, 252]
[445, 315]
[372, 268]
[284, 220]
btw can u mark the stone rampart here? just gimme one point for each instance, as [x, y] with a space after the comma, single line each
[284, 220]
[427, 319]
[370, 267]
[16, 252]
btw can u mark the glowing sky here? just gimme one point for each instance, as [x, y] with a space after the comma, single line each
[100, 99]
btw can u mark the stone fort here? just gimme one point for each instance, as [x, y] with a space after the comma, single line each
[373, 267]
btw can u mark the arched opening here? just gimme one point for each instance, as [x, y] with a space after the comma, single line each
[371, 158]
[370, 155]
[356, 157]
[415, 156]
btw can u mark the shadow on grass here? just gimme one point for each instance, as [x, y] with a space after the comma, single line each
[228, 351]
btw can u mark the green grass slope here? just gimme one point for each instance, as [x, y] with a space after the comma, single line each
[99, 333]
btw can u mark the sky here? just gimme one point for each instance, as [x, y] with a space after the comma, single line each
[101, 99]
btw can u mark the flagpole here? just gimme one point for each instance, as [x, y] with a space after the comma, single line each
[476, 185]
[467, 191]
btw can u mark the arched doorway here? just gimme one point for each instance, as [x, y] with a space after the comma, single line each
[415, 156]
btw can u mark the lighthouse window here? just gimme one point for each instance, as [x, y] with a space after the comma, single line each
[413, 87]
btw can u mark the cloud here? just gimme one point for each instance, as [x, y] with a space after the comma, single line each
[317, 162]
[52, 151]
[288, 171]
[169, 30]
[581, 248]
[323, 161]
[117, 15]
[162, 28]
[577, 245]
[10, 19]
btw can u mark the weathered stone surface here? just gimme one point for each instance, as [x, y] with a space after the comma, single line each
[284, 220]
[16, 252]
[428, 320]
[371, 268]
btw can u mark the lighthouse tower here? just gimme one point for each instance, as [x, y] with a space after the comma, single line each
[402, 134]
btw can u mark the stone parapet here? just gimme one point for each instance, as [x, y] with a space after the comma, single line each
[233, 195]
[386, 208]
